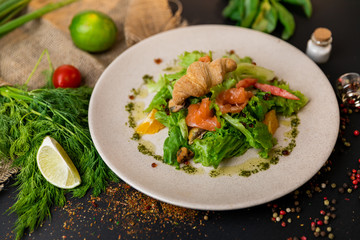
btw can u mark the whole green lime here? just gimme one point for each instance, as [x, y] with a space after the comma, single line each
[93, 31]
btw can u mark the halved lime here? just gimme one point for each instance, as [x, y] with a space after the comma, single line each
[93, 31]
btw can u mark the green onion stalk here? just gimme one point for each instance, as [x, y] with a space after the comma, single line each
[9, 10]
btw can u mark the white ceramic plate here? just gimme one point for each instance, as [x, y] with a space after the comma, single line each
[107, 119]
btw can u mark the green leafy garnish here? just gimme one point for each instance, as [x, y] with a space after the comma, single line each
[26, 117]
[263, 15]
[223, 143]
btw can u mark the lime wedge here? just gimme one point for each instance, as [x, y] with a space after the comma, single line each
[56, 166]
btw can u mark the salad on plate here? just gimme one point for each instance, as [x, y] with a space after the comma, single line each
[216, 109]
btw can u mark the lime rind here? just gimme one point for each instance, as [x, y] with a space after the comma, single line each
[93, 31]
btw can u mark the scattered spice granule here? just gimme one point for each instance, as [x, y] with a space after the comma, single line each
[158, 60]
[124, 207]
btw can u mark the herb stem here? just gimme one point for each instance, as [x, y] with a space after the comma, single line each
[12, 14]
[7, 27]
[59, 125]
[10, 5]
[19, 94]
[37, 64]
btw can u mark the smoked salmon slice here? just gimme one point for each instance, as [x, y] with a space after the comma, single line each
[233, 100]
[200, 115]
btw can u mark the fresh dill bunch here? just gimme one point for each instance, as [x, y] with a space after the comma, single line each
[26, 117]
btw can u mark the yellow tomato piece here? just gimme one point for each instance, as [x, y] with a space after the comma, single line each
[150, 125]
[271, 121]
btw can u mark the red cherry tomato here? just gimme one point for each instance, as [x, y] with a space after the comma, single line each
[66, 76]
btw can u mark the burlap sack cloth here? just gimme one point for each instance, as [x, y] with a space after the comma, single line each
[20, 49]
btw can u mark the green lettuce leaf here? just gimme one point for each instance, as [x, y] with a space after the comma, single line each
[256, 133]
[258, 106]
[249, 70]
[160, 99]
[178, 134]
[156, 86]
[287, 107]
[188, 58]
[223, 143]
[238, 59]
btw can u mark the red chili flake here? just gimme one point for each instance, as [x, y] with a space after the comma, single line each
[154, 165]
[356, 133]
[132, 97]
[322, 212]
[355, 182]
[158, 60]
[282, 212]
[313, 224]
[325, 198]
[355, 186]
[283, 224]
[303, 238]
[354, 171]
[273, 219]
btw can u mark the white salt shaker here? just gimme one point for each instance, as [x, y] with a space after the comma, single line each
[319, 46]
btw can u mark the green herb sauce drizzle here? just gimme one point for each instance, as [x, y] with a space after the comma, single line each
[253, 166]
[130, 108]
[189, 169]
